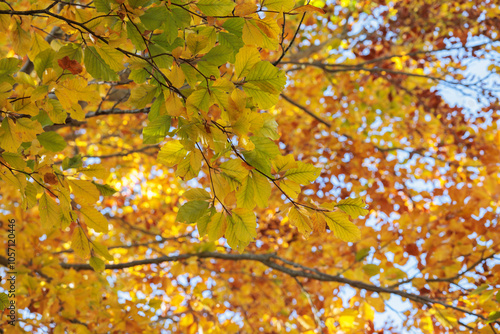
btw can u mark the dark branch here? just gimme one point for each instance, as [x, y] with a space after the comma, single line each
[270, 260]
[307, 111]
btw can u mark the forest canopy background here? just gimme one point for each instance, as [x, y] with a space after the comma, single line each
[205, 166]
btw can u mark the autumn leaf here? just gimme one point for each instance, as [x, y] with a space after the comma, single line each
[71, 65]
[236, 166]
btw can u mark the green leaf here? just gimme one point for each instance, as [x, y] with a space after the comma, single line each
[209, 70]
[203, 222]
[246, 59]
[493, 316]
[191, 211]
[196, 43]
[105, 189]
[190, 166]
[234, 26]
[160, 57]
[355, 207]
[170, 30]
[341, 226]
[265, 147]
[96, 66]
[4, 301]
[140, 96]
[300, 218]
[199, 99]
[15, 160]
[262, 189]
[135, 36]
[371, 269]
[154, 17]
[52, 141]
[181, 17]
[72, 50]
[49, 212]
[216, 7]
[394, 273]
[234, 172]
[79, 243]
[218, 55]
[264, 83]
[217, 226]
[156, 131]
[72, 162]
[172, 153]
[231, 41]
[94, 219]
[57, 113]
[43, 61]
[192, 76]
[362, 254]
[479, 290]
[9, 66]
[103, 6]
[303, 174]
[97, 264]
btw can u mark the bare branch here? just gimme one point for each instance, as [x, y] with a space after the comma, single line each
[307, 111]
[269, 261]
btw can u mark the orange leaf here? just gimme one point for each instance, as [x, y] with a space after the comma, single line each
[71, 65]
[308, 8]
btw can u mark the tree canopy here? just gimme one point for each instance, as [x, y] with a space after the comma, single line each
[219, 166]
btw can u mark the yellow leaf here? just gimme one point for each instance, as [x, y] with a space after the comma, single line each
[9, 139]
[279, 5]
[38, 44]
[253, 35]
[111, 56]
[216, 227]
[300, 218]
[284, 163]
[172, 153]
[347, 319]
[49, 212]
[246, 58]
[341, 226]
[290, 188]
[94, 219]
[97, 170]
[85, 191]
[21, 40]
[80, 243]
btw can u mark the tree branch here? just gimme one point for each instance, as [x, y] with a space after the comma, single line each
[269, 260]
[307, 111]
